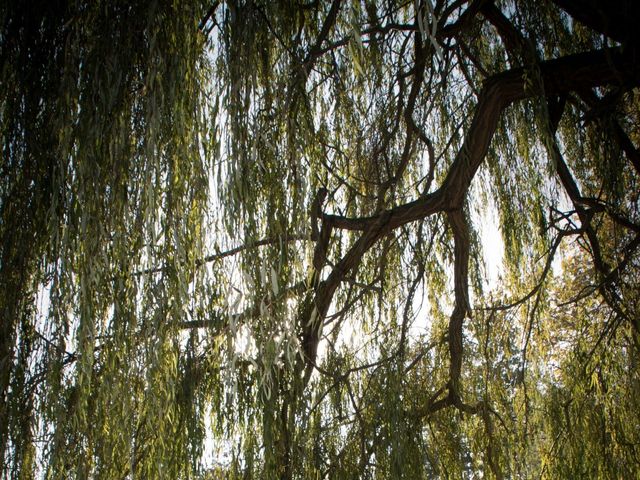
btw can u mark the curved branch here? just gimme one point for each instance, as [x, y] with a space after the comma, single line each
[460, 229]
[233, 251]
[584, 70]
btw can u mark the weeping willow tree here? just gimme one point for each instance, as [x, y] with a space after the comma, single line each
[248, 239]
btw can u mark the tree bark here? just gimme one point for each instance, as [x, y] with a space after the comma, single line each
[558, 76]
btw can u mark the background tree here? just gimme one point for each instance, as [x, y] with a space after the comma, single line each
[266, 228]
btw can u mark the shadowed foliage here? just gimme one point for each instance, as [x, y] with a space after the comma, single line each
[252, 239]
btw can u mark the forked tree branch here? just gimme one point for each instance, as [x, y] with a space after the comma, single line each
[558, 76]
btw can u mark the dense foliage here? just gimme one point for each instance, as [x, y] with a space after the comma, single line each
[251, 239]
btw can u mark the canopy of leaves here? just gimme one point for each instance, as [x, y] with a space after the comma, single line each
[248, 239]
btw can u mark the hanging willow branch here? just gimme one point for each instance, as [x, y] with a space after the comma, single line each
[349, 153]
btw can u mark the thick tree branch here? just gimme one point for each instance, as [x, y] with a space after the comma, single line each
[616, 19]
[632, 153]
[316, 49]
[585, 70]
[516, 43]
[461, 292]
